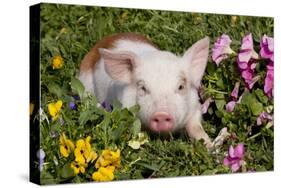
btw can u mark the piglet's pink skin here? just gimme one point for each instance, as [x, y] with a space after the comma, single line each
[130, 68]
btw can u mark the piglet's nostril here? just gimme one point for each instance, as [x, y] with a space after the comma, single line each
[168, 119]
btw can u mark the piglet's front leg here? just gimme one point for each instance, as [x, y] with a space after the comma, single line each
[195, 130]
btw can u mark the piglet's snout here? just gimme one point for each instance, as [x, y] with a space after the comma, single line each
[161, 122]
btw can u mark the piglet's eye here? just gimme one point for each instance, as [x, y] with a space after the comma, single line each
[143, 89]
[181, 87]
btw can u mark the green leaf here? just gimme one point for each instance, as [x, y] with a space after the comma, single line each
[116, 104]
[77, 87]
[46, 178]
[136, 128]
[86, 116]
[220, 84]
[261, 96]
[134, 109]
[252, 103]
[67, 172]
[77, 179]
[211, 68]
[153, 167]
[55, 89]
[220, 104]
[256, 108]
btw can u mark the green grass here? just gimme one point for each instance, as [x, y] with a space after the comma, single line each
[70, 31]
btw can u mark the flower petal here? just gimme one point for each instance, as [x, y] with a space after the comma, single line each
[230, 106]
[206, 104]
[239, 151]
[231, 152]
[235, 91]
[235, 166]
[221, 49]
[226, 161]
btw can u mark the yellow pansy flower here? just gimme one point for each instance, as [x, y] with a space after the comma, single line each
[108, 157]
[78, 168]
[57, 62]
[93, 155]
[66, 146]
[54, 109]
[104, 174]
[83, 151]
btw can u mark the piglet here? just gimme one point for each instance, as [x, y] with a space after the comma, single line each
[130, 68]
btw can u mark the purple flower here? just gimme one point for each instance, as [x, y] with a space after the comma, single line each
[76, 97]
[246, 60]
[230, 106]
[221, 49]
[72, 105]
[40, 155]
[267, 48]
[206, 104]
[108, 107]
[252, 82]
[247, 49]
[234, 94]
[263, 117]
[235, 157]
[268, 83]
[267, 52]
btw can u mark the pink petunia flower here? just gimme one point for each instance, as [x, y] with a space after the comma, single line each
[267, 48]
[206, 105]
[264, 117]
[247, 49]
[234, 94]
[268, 84]
[246, 60]
[221, 49]
[267, 52]
[230, 106]
[235, 157]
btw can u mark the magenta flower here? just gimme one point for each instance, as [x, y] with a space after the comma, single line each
[206, 105]
[267, 48]
[234, 94]
[247, 49]
[221, 49]
[268, 83]
[267, 52]
[246, 60]
[235, 157]
[264, 117]
[230, 106]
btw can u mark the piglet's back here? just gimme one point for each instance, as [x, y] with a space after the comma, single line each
[92, 57]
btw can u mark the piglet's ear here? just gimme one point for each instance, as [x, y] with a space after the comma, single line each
[197, 57]
[119, 65]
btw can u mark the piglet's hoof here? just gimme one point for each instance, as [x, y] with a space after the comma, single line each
[222, 136]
